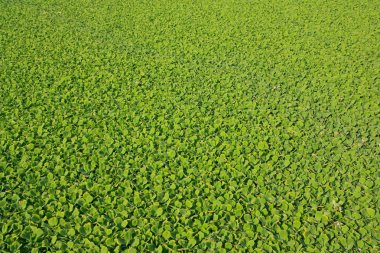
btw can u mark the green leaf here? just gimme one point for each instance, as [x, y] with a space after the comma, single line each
[171, 153]
[262, 145]
[159, 211]
[103, 249]
[39, 130]
[370, 212]
[192, 242]
[296, 224]
[189, 203]
[53, 221]
[23, 204]
[166, 234]
[71, 232]
[53, 239]
[131, 250]
[15, 246]
[283, 234]
[345, 229]
[318, 216]
[4, 228]
[37, 231]
[87, 197]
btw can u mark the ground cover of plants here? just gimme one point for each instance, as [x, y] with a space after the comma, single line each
[189, 126]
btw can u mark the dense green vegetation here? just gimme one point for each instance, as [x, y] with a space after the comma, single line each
[218, 126]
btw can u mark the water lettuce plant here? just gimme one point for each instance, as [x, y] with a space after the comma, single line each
[189, 126]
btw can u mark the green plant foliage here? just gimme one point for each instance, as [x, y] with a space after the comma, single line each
[189, 126]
